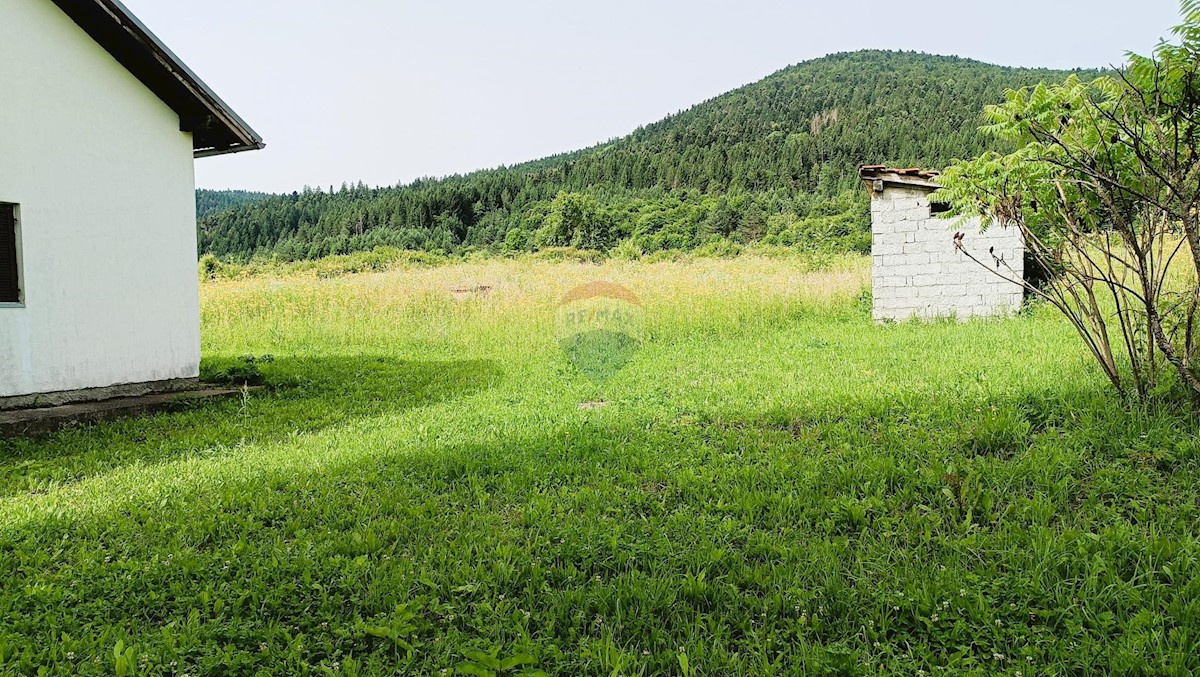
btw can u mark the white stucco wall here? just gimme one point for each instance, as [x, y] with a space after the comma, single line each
[918, 272]
[105, 184]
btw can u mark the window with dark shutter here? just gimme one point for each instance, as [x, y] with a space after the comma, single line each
[10, 285]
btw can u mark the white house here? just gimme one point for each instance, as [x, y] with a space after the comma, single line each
[926, 266]
[99, 125]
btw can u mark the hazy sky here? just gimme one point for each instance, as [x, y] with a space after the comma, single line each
[387, 91]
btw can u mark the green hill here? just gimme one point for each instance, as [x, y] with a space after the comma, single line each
[773, 161]
[211, 201]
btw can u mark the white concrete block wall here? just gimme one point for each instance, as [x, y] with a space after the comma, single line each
[918, 272]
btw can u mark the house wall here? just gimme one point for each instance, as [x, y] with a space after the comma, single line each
[918, 272]
[105, 184]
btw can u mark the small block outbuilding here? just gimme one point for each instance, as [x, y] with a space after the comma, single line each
[926, 266]
[99, 126]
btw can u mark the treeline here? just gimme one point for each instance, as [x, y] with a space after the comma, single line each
[296, 227]
[774, 162]
[209, 201]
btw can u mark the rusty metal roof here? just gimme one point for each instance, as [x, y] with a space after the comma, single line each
[879, 171]
[878, 177]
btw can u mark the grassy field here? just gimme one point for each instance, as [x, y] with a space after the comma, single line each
[773, 486]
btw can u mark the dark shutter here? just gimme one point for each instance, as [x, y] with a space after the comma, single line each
[10, 286]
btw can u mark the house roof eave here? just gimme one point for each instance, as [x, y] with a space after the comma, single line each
[216, 129]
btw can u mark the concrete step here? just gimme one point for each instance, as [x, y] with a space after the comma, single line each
[23, 422]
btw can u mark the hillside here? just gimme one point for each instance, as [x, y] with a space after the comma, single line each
[773, 161]
[210, 201]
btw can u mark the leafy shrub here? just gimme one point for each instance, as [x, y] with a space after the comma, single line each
[376, 260]
[379, 259]
[719, 248]
[626, 250]
[518, 239]
[209, 267]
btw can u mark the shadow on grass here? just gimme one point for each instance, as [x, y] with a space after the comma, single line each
[302, 395]
[748, 517]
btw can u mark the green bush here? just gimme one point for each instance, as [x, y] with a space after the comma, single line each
[626, 250]
[719, 248]
[379, 259]
[568, 254]
[209, 267]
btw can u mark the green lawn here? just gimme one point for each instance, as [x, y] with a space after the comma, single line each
[775, 486]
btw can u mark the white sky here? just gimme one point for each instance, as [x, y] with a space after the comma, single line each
[387, 91]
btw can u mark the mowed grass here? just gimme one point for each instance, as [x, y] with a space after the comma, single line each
[773, 486]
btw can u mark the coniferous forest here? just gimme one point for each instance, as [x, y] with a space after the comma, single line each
[773, 162]
[209, 201]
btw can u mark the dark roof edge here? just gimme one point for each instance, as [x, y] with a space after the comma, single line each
[879, 176]
[227, 132]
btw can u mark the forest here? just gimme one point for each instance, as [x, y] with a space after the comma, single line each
[209, 201]
[772, 162]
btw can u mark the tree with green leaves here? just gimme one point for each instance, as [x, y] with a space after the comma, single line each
[575, 220]
[1105, 186]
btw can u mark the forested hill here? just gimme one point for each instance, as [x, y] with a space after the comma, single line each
[773, 161]
[209, 201]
